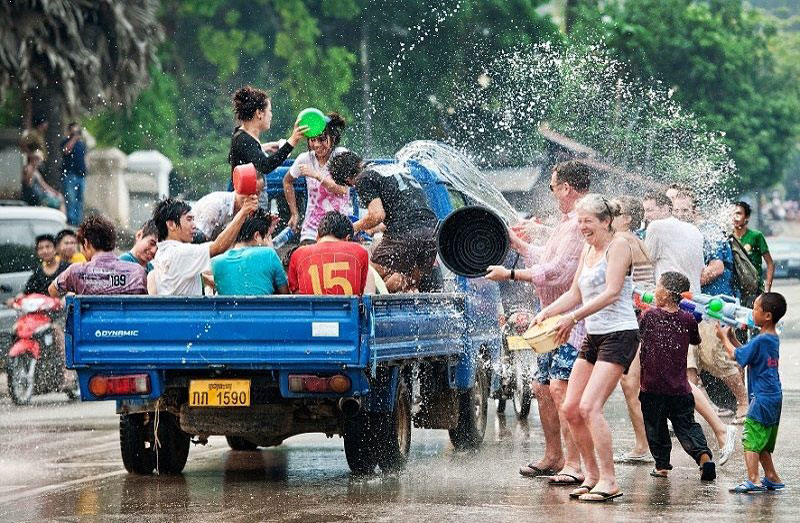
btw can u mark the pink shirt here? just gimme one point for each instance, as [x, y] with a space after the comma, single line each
[553, 267]
[103, 274]
[320, 200]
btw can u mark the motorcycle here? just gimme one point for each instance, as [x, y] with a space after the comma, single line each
[35, 362]
[518, 364]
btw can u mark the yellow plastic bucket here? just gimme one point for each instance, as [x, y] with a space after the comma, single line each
[542, 338]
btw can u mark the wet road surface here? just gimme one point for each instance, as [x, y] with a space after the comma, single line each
[60, 461]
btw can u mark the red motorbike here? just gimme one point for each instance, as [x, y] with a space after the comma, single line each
[35, 363]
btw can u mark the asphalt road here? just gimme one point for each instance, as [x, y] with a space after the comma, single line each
[60, 461]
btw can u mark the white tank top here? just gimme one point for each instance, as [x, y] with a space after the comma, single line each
[618, 316]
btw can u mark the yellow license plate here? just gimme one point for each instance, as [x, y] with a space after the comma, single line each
[219, 393]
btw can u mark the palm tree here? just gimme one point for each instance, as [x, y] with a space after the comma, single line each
[67, 57]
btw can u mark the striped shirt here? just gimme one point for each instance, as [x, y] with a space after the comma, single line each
[553, 266]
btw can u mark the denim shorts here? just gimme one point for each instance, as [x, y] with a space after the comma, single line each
[556, 364]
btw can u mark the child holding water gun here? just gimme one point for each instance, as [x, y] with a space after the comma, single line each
[666, 333]
[760, 356]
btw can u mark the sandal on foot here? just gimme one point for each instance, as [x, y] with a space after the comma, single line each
[571, 480]
[658, 474]
[747, 487]
[532, 471]
[630, 457]
[599, 497]
[771, 485]
[580, 491]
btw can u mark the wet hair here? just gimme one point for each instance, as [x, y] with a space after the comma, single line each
[775, 304]
[745, 207]
[39, 120]
[676, 284]
[661, 199]
[686, 194]
[99, 232]
[45, 238]
[600, 206]
[575, 173]
[335, 224]
[633, 208]
[149, 229]
[334, 128]
[248, 100]
[63, 234]
[344, 166]
[166, 210]
[258, 222]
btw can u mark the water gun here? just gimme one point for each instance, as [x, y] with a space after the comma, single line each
[724, 309]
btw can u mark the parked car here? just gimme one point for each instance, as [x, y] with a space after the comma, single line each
[20, 224]
[786, 253]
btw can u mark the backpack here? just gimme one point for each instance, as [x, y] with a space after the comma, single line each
[744, 272]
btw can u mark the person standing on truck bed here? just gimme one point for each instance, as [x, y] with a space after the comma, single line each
[104, 273]
[251, 267]
[334, 265]
[179, 264]
[394, 198]
[253, 109]
[551, 270]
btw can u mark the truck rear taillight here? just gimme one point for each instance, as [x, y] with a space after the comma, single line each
[132, 384]
[338, 384]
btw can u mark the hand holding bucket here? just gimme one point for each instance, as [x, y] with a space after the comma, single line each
[471, 239]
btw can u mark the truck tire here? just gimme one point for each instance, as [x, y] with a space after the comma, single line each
[239, 443]
[394, 431]
[359, 444]
[171, 456]
[135, 441]
[472, 414]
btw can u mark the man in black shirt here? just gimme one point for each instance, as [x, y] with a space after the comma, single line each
[394, 198]
[50, 267]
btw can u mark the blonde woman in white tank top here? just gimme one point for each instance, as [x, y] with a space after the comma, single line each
[602, 287]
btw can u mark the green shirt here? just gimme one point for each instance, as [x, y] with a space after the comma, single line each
[756, 246]
[249, 271]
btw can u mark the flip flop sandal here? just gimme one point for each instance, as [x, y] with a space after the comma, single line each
[771, 485]
[656, 474]
[747, 487]
[599, 497]
[573, 481]
[532, 471]
[580, 491]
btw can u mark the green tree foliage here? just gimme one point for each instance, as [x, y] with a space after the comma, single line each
[718, 56]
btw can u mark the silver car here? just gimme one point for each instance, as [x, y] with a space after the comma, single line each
[786, 254]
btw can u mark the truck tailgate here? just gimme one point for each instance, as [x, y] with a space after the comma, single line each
[163, 332]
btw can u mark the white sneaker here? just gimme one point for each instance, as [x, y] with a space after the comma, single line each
[730, 444]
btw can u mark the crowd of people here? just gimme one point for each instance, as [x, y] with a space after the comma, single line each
[584, 274]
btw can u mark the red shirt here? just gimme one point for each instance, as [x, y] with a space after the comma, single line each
[336, 268]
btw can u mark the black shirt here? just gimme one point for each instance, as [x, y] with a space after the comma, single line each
[40, 281]
[246, 149]
[402, 197]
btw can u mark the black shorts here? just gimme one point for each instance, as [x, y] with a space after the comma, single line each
[615, 347]
[405, 254]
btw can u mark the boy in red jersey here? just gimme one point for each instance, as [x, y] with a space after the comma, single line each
[333, 265]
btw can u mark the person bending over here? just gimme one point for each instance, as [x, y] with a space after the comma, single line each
[214, 211]
[394, 198]
[180, 267]
[251, 267]
[334, 265]
[103, 273]
[145, 248]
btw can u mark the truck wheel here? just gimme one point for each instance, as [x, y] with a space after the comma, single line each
[359, 444]
[472, 413]
[21, 378]
[238, 443]
[394, 431]
[522, 394]
[135, 441]
[171, 456]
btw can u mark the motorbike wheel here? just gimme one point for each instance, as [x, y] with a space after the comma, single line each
[21, 378]
[522, 394]
[501, 406]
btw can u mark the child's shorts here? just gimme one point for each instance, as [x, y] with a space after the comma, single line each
[757, 437]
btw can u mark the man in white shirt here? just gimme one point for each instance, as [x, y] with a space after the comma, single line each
[674, 245]
[179, 265]
[214, 211]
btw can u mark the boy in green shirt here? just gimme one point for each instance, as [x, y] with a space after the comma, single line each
[754, 243]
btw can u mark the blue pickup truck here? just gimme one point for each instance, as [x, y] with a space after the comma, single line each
[261, 369]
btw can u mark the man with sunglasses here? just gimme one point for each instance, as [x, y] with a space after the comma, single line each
[551, 269]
